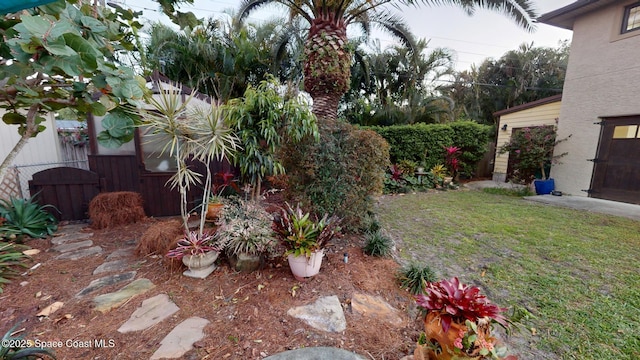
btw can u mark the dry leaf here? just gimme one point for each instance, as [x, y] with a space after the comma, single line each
[260, 287]
[51, 309]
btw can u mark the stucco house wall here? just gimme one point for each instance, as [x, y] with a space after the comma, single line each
[602, 80]
[539, 113]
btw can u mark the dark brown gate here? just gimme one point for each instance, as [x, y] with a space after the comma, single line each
[616, 175]
[68, 189]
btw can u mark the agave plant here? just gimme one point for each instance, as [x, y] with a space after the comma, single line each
[300, 233]
[16, 347]
[456, 302]
[11, 256]
[26, 217]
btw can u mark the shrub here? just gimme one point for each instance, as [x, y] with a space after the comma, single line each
[338, 174]
[425, 143]
[413, 278]
[377, 244]
[26, 217]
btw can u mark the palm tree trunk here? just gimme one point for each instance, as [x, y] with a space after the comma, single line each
[327, 66]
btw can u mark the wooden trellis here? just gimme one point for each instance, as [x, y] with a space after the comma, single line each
[10, 185]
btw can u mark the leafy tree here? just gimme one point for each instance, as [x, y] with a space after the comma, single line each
[56, 58]
[262, 120]
[523, 75]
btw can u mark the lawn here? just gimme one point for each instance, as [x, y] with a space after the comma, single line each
[577, 272]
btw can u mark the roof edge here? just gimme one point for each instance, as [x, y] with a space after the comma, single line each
[529, 105]
[555, 17]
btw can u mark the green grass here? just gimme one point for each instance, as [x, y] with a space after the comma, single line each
[577, 272]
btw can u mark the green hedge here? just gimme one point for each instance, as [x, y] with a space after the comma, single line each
[426, 142]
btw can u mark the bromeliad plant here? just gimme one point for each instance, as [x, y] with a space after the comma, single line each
[195, 244]
[245, 227]
[17, 347]
[463, 309]
[300, 234]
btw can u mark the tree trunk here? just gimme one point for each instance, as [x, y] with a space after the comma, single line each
[31, 128]
[327, 66]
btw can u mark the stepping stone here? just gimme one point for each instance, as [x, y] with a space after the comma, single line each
[151, 312]
[120, 253]
[106, 281]
[316, 353]
[66, 247]
[181, 339]
[57, 240]
[110, 266]
[325, 314]
[106, 302]
[79, 254]
[375, 307]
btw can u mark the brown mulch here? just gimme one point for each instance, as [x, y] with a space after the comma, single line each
[247, 312]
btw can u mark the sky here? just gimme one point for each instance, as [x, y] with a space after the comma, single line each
[473, 38]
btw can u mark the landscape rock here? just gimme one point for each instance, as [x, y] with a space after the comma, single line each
[106, 302]
[325, 314]
[375, 307]
[151, 312]
[110, 266]
[181, 339]
[72, 246]
[79, 254]
[57, 240]
[316, 353]
[120, 253]
[106, 281]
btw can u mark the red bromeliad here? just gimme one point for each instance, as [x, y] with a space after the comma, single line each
[456, 302]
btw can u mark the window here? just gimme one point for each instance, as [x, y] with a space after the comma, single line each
[625, 131]
[155, 160]
[631, 20]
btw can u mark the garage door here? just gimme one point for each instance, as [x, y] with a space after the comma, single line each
[616, 174]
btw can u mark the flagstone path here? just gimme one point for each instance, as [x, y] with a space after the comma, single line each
[325, 313]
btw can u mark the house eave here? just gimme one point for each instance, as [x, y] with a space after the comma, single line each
[566, 16]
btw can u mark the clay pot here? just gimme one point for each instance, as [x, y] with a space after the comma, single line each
[213, 211]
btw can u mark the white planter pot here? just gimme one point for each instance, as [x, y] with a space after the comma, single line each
[303, 268]
[200, 266]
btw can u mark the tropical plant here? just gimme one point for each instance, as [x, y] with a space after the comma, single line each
[56, 58]
[451, 160]
[533, 150]
[413, 277]
[195, 244]
[451, 305]
[245, 227]
[11, 256]
[191, 133]
[17, 347]
[262, 119]
[377, 244]
[302, 235]
[26, 217]
[455, 302]
[327, 58]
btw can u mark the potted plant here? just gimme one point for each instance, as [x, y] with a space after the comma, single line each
[533, 152]
[198, 252]
[245, 228]
[304, 238]
[458, 322]
[192, 134]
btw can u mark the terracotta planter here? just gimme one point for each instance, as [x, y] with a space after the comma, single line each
[435, 335]
[213, 211]
[200, 266]
[303, 268]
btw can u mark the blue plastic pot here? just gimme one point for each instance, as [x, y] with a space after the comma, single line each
[10, 6]
[544, 187]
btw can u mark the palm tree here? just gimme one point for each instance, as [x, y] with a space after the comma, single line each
[327, 57]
